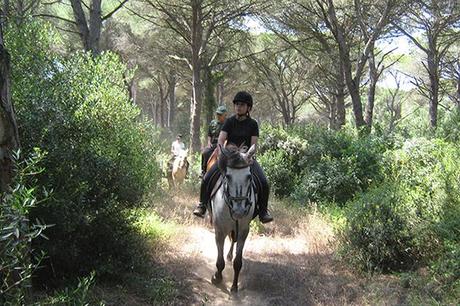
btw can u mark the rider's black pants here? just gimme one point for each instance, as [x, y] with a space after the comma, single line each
[213, 173]
[205, 157]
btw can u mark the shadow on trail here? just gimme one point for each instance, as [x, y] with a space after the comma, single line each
[286, 265]
[280, 280]
[296, 280]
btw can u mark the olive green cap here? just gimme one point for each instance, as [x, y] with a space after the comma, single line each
[221, 110]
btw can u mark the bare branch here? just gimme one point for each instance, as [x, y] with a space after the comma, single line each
[115, 10]
[56, 17]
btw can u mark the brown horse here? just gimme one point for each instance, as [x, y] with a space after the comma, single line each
[179, 169]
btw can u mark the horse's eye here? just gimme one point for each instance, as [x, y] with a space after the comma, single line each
[248, 177]
[228, 177]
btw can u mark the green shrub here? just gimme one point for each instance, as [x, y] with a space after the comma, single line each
[449, 128]
[316, 164]
[100, 155]
[279, 171]
[78, 295]
[17, 232]
[396, 225]
[384, 232]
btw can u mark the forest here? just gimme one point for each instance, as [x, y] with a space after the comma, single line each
[358, 106]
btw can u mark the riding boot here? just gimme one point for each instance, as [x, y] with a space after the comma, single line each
[264, 215]
[200, 209]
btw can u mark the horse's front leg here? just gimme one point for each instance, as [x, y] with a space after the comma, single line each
[220, 264]
[238, 261]
[230, 252]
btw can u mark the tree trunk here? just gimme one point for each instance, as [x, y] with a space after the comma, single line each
[171, 99]
[209, 99]
[341, 98]
[373, 78]
[131, 88]
[353, 88]
[151, 106]
[162, 102]
[333, 114]
[195, 109]
[282, 108]
[457, 102]
[352, 83]
[9, 136]
[89, 33]
[95, 26]
[155, 108]
[80, 20]
[220, 92]
[434, 89]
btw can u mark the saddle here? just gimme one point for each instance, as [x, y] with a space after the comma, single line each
[216, 182]
[212, 160]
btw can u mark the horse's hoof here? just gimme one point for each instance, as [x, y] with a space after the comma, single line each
[234, 290]
[216, 280]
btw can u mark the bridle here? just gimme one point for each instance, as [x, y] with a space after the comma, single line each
[228, 198]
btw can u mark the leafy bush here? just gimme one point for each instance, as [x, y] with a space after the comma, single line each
[396, 225]
[100, 154]
[279, 171]
[449, 128]
[315, 164]
[17, 232]
[383, 231]
[79, 295]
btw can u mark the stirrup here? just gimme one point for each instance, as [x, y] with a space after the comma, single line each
[265, 217]
[200, 211]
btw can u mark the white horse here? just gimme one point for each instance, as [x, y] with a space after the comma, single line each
[232, 209]
[179, 168]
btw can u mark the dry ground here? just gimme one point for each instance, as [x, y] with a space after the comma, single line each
[287, 262]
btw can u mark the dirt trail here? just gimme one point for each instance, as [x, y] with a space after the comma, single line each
[287, 262]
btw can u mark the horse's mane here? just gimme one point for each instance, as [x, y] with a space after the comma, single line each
[230, 156]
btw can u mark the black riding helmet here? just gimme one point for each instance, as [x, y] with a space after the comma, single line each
[243, 96]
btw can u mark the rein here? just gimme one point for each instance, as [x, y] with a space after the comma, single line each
[228, 198]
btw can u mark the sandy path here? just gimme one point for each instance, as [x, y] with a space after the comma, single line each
[287, 262]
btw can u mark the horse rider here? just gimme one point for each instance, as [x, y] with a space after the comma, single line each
[213, 134]
[239, 129]
[176, 147]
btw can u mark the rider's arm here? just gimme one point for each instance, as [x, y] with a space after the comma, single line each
[254, 141]
[222, 138]
[209, 142]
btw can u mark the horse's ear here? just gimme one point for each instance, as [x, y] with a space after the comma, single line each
[251, 151]
[222, 150]
[186, 152]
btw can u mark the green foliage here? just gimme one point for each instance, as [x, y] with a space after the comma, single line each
[448, 128]
[100, 156]
[78, 295]
[379, 232]
[399, 225]
[279, 171]
[315, 164]
[17, 232]
[152, 226]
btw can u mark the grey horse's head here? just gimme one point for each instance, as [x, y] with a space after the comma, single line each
[234, 163]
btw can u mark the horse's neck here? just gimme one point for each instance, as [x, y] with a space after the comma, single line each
[176, 163]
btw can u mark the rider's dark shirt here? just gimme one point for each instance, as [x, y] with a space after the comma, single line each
[240, 132]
